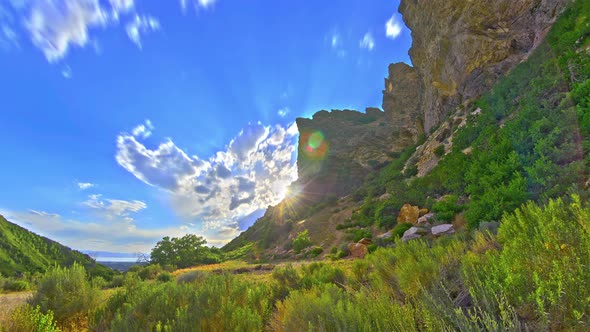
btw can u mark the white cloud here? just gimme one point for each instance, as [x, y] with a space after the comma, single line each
[141, 25]
[113, 209]
[197, 4]
[335, 41]
[85, 185]
[252, 172]
[393, 28]
[55, 26]
[367, 42]
[143, 130]
[66, 72]
[122, 5]
[283, 112]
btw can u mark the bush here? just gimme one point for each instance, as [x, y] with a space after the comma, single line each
[30, 319]
[301, 242]
[117, 281]
[165, 277]
[67, 292]
[439, 151]
[316, 251]
[150, 272]
[447, 208]
[16, 286]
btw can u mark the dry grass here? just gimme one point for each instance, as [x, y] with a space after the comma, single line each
[10, 301]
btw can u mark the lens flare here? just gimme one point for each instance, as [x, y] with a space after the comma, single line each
[314, 145]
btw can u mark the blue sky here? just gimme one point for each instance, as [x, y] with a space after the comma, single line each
[124, 121]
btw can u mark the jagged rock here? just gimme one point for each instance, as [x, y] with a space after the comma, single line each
[365, 241]
[414, 233]
[358, 250]
[459, 49]
[444, 229]
[425, 218]
[408, 213]
[423, 211]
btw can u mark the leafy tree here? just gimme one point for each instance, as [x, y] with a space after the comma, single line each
[186, 251]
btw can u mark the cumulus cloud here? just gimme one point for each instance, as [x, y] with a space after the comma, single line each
[85, 185]
[367, 42]
[252, 172]
[141, 25]
[95, 235]
[393, 27]
[143, 130]
[55, 26]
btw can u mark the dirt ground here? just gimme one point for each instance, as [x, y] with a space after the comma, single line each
[10, 301]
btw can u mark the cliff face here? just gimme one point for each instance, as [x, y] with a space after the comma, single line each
[461, 47]
[338, 149]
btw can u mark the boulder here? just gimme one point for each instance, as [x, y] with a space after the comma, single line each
[414, 233]
[423, 212]
[425, 218]
[444, 229]
[408, 213]
[358, 250]
[365, 241]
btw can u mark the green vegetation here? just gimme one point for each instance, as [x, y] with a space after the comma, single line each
[532, 276]
[22, 251]
[189, 250]
[301, 242]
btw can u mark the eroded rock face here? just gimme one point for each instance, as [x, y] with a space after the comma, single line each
[460, 48]
[338, 149]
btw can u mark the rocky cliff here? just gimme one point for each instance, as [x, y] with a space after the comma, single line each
[460, 48]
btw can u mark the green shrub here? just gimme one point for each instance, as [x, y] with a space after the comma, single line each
[117, 281]
[301, 241]
[150, 272]
[16, 285]
[165, 277]
[543, 266]
[316, 251]
[447, 208]
[439, 151]
[67, 292]
[30, 319]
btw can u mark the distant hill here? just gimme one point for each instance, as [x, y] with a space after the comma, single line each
[24, 251]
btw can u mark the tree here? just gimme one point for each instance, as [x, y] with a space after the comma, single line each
[186, 251]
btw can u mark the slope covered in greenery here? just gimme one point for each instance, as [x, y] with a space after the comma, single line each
[23, 251]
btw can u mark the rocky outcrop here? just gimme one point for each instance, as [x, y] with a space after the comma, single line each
[358, 250]
[460, 48]
[408, 213]
[338, 149]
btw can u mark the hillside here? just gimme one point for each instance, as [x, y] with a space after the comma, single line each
[23, 251]
[515, 128]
